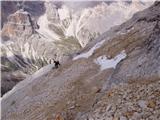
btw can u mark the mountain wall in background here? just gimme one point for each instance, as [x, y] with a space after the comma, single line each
[34, 33]
[115, 76]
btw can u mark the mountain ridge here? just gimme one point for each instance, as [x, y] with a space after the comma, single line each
[31, 40]
[79, 89]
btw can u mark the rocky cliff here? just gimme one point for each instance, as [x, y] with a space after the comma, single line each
[37, 32]
[114, 77]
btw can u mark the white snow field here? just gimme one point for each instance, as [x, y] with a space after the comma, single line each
[90, 52]
[106, 63]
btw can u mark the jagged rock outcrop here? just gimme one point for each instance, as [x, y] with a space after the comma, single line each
[35, 8]
[19, 24]
[80, 89]
[88, 23]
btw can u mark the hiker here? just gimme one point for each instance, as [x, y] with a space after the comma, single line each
[56, 63]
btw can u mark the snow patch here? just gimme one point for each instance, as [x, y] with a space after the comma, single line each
[90, 52]
[125, 32]
[106, 63]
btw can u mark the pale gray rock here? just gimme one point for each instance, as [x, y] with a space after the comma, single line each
[26, 50]
[32, 39]
[142, 104]
[46, 93]
[123, 118]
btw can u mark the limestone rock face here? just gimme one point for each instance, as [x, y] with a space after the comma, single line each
[143, 62]
[79, 89]
[19, 27]
[52, 12]
[19, 24]
[26, 50]
[37, 32]
[87, 23]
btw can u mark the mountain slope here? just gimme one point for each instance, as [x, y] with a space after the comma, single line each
[36, 32]
[78, 88]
